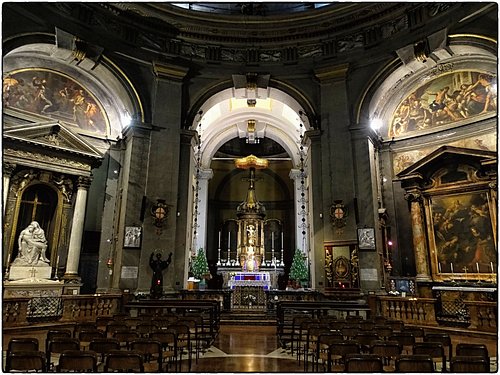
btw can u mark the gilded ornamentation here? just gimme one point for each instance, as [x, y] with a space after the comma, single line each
[329, 267]
[65, 186]
[22, 179]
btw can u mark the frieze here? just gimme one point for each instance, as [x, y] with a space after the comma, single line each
[441, 68]
[46, 158]
[435, 9]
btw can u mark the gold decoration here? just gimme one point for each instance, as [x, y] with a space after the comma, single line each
[251, 161]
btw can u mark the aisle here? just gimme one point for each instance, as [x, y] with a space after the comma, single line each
[246, 349]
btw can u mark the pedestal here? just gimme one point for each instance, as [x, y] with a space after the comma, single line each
[33, 287]
[20, 273]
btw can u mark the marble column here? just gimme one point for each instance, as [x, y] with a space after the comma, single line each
[419, 238]
[201, 224]
[76, 235]
[8, 168]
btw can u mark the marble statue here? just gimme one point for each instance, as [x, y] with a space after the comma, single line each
[32, 247]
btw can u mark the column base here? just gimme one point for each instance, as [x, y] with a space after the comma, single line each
[72, 284]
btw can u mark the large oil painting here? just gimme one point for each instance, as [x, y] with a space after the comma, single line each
[463, 233]
[54, 95]
[447, 99]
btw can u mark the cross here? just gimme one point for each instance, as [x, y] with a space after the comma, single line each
[33, 272]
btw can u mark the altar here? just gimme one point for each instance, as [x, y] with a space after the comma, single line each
[257, 279]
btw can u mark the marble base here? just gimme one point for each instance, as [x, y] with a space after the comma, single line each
[33, 287]
[22, 272]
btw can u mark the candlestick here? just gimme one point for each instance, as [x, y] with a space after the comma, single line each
[57, 267]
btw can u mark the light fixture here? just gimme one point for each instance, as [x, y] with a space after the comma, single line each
[376, 124]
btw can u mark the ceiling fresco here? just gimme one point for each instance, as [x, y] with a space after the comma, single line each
[52, 94]
[450, 98]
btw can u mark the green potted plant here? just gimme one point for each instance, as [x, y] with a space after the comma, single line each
[298, 271]
[200, 268]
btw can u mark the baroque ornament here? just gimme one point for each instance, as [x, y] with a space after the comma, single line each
[338, 214]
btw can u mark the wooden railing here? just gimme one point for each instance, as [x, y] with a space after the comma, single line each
[76, 308]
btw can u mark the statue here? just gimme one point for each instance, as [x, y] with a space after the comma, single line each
[158, 265]
[32, 247]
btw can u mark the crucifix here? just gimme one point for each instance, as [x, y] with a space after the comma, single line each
[32, 272]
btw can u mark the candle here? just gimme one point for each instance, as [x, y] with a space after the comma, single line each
[477, 267]
[272, 240]
[439, 267]
[229, 240]
[451, 266]
[219, 239]
[282, 240]
[491, 266]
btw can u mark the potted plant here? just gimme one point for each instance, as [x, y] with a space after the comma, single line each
[200, 268]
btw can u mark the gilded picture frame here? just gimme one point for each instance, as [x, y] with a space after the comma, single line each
[462, 235]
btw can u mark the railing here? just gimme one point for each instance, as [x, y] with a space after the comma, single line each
[483, 315]
[411, 310]
[75, 308]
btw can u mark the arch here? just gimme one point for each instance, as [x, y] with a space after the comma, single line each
[104, 83]
[223, 117]
[396, 81]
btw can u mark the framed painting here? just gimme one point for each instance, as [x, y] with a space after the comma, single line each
[462, 234]
[366, 238]
[133, 237]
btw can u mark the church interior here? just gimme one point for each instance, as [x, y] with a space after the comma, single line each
[249, 186]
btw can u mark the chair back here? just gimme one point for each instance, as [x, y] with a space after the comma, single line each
[443, 338]
[363, 363]
[469, 364]
[466, 349]
[417, 363]
[77, 361]
[125, 336]
[151, 351]
[124, 361]
[433, 349]
[104, 345]
[20, 344]
[26, 361]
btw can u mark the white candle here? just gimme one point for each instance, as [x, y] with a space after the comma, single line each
[219, 239]
[491, 265]
[439, 267]
[57, 262]
[477, 267]
[451, 266]
[272, 240]
[229, 240]
[282, 240]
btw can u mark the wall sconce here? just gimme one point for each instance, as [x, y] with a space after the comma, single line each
[159, 211]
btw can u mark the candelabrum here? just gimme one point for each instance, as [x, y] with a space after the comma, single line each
[281, 260]
[218, 257]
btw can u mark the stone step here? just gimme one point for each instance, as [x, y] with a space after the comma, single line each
[247, 318]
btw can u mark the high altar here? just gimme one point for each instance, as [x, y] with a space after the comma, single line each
[249, 274]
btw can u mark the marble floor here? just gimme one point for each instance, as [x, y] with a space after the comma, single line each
[255, 349]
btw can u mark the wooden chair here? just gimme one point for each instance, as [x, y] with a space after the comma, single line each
[417, 363]
[22, 344]
[104, 345]
[56, 346]
[183, 342]
[469, 364]
[350, 330]
[53, 333]
[389, 351]
[112, 327]
[417, 332]
[151, 351]
[363, 363]
[83, 326]
[124, 361]
[365, 339]
[396, 325]
[125, 336]
[354, 318]
[24, 361]
[87, 335]
[133, 322]
[433, 349]
[443, 338]
[383, 331]
[77, 361]
[406, 339]
[323, 345]
[145, 329]
[169, 347]
[465, 349]
[103, 321]
[337, 352]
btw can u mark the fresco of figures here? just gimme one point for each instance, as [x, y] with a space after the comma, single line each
[447, 99]
[51, 94]
[402, 160]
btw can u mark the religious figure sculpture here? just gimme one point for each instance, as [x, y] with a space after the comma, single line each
[32, 247]
[158, 265]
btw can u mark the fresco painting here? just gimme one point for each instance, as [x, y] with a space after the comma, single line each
[49, 93]
[447, 99]
[463, 232]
